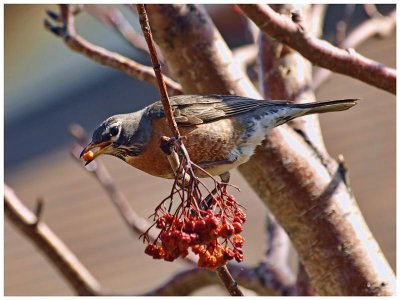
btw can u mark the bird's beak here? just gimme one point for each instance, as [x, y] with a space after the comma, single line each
[91, 151]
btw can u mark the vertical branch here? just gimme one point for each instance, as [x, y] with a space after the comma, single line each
[222, 272]
[144, 22]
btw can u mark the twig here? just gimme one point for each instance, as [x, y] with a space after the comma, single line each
[114, 18]
[100, 172]
[320, 52]
[144, 22]
[222, 271]
[371, 10]
[74, 272]
[343, 24]
[39, 210]
[101, 55]
[380, 26]
[228, 281]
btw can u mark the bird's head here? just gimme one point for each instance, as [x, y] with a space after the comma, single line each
[120, 135]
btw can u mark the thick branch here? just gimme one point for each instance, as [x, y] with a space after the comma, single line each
[103, 56]
[52, 247]
[191, 42]
[319, 52]
[315, 209]
[285, 74]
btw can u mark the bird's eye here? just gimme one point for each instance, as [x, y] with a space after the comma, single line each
[114, 131]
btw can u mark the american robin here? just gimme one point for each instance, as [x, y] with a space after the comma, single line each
[221, 131]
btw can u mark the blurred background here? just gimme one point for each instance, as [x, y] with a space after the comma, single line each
[48, 87]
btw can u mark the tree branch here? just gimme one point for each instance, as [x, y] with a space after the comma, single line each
[308, 200]
[380, 26]
[188, 49]
[74, 272]
[144, 23]
[136, 224]
[319, 52]
[114, 18]
[101, 55]
[185, 283]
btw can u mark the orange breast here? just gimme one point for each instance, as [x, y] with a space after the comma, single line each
[204, 142]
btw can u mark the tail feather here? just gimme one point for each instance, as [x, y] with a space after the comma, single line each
[327, 106]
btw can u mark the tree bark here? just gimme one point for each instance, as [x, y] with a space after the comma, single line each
[309, 200]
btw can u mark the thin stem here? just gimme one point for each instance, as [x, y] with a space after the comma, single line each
[144, 22]
[228, 281]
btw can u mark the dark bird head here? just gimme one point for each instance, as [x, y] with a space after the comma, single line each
[122, 136]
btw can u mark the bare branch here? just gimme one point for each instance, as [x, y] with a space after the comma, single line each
[245, 56]
[101, 55]
[114, 18]
[100, 172]
[222, 271]
[343, 24]
[185, 283]
[227, 280]
[371, 10]
[317, 19]
[320, 52]
[380, 26]
[74, 272]
[285, 74]
[144, 22]
[278, 169]
[189, 48]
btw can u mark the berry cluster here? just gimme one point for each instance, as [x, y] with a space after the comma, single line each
[213, 234]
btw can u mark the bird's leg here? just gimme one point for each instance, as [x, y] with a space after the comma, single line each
[225, 177]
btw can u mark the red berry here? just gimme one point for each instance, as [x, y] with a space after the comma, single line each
[238, 241]
[212, 222]
[189, 226]
[226, 231]
[200, 226]
[160, 223]
[228, 254]
[238, 257]
[238, 227]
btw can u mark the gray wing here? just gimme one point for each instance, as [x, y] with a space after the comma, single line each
[196, 109]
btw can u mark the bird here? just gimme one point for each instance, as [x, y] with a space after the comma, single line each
[220, 132]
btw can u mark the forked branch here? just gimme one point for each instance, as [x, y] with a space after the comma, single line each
[319, 52]
[67, 31]
[60, 255]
